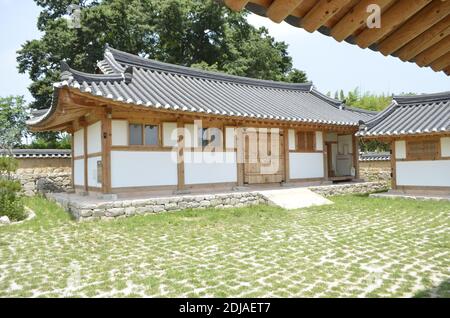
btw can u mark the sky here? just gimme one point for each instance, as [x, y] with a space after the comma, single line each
[330, 65]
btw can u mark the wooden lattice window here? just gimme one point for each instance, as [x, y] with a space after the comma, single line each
[422, 149]
[306, 141]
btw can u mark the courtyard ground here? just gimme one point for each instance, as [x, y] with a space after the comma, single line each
[358, 247]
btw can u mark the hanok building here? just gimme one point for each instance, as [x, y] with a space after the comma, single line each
[125, 125]
[418, 129]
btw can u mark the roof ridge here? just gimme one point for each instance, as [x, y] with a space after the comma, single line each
[415, 99]
[142, 62]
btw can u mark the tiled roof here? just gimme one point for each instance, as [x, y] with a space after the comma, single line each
[411, 115]
[132, 79]
[38, 153]
[374, 156]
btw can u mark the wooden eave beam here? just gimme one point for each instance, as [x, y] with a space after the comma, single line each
[427, 39]
[236, 5]
[354, 19]
[441, 63]
[280, 9]
[422, 21]
[397, 14]
[433, 53]
[321, 13]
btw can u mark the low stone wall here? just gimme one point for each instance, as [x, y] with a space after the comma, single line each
[350, 188]
[47, 179]
[375, 170]
[84, 211]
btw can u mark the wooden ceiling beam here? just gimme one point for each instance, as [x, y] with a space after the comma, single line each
[280, 9]
[396, 15]
[441, 63]
[427, 39]
[433, 53]
[355, 19]
[321, 13]
[423, 20]
[236, 5]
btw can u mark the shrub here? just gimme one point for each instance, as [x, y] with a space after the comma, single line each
[11, 203]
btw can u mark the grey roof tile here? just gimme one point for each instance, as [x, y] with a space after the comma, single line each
[133, 79]
[411, 115]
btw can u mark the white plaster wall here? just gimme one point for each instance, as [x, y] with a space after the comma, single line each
[169, 134]
[95, 137]
[445, 146]
[400, 149]
[319, 141]
[210, 167]
[305, 165]
[92, 172]
[291, 135]
[78, 172]
[423, 173]
[119, 130]
[78, 143]
[142, 168]
[230, 138]
[345, 144]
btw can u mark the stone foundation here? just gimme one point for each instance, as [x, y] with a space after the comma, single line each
[376, 173]
[351, 188]
[124, 208]
[88, 208]
[44, 180]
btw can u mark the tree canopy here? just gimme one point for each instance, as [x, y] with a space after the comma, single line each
[186, 32]
[13, 113]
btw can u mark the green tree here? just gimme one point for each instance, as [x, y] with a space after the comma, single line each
[186, 32]
[13, 114]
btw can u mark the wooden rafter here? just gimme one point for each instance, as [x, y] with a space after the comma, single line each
[413, 30]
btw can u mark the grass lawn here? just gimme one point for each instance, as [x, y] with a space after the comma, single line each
[358, 247]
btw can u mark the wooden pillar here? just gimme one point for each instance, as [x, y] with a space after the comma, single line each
[72, 160]
[393, 166]
[286, 154]
[180, 155]
[325, 156]
[85, 155]
[106, 152]
[356, 155]
[240, 155]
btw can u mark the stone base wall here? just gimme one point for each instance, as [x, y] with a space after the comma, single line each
[44, 180]
[84, 211]
[351, 188]
[376, 173]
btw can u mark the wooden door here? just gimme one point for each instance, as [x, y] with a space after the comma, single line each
[261, 165]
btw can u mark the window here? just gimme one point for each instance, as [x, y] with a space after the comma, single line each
[422, 150]
[151, 135]
[135, 134]
[144, 135]
[305, 141]
[210, 137]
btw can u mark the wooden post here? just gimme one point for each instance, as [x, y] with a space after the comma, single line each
[106, 152]
[85, 155]
[325, 156]
[393, 167]
[356, 155]
[180, 155]
[286, 154]
[72, 160]
[240, 155]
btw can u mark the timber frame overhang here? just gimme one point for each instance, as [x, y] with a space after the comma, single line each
[71, 108]
[414, 31]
